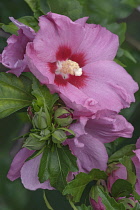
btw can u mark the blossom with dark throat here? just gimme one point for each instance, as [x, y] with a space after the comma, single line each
[75, 59]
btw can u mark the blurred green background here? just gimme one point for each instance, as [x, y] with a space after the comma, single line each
[13, 196]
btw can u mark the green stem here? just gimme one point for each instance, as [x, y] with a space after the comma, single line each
[47, 114]
[72, 205]
[46, 201]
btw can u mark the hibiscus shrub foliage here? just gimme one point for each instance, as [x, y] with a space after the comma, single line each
[68, 80]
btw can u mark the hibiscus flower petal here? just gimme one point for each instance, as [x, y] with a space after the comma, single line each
[13, 54]
[37, 67]
[82, 21]
[92, 155]
[110, 85]
[29, 175]
[79, 127]
[138, 143]
[18, 162]
[120, 173]
[98, 43]
[15, 50]
[93, 41]
[27, 31]
[108, 128]
[63, 34]
[76, 96]
[137, 186]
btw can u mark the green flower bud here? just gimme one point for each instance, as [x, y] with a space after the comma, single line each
[40, 120]
[45, 135]
[63, 116]
[129, 203]
[59, 136]
[33, 143]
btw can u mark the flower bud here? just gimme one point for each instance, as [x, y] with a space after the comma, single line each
[63, 116]
[30, 113]
[117, 171]
[129, 203]
[33, 143]
[40, 120]
[95, 199]
[97, 205]
[59, 136]
[45, 134]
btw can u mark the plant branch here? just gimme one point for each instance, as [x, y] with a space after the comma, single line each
[46, 201]
[72, 204]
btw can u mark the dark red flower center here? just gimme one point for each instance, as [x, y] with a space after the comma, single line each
[68, 67]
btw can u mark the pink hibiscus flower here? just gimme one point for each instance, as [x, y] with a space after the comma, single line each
[75, 59]
[91, 134]
[13, 56]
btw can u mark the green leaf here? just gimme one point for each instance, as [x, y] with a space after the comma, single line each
[10, 28]
[15, 93]
[118, 29]
[33, 4]
[105, 12]
[124, 151]
[27, 20]
[35, 154]
[70, 8]
[44, 7]
[127, 54]
[121, 188]
[119, 62]
[122, 52]
[35, 7]
[33, 143]
[55, 165]
[108, 201]
[84, 207]
[127, 162]
[77, 186]
[43, 95]
[68, 130]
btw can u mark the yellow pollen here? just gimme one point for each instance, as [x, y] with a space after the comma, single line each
[68, 67]
[64, 68]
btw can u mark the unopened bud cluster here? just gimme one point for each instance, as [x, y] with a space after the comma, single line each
[45, 133]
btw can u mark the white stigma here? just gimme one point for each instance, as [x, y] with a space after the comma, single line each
[67, 67]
